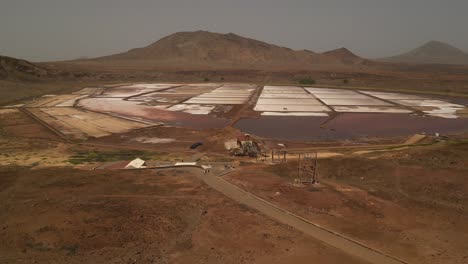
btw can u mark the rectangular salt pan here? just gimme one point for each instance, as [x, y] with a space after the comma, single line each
[221, 96]
[276, 96]
[218, 102]
[370, 109]
[291, 108]
[342, 96]
[294, 114]
[284, 92]
[192, 109]
[389, 96]
[149, 85]
[281, 87]
[324, 90]
[288, 102]
[434, 103]
[355, 102]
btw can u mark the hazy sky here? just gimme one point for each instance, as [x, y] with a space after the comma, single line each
[44, 30]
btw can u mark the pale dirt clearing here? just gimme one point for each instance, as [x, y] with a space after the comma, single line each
[354, 102]
[8, 111]
[53, 100]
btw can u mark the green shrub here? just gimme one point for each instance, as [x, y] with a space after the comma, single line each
[70, 249]
[307, 81]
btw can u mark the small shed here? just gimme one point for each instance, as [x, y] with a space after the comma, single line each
[206, 167]
[136, 164]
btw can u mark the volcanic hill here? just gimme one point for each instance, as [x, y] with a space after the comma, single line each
[202, 49]
[344, 56]
[433, 52]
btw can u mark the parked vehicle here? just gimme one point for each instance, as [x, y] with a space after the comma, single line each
[196, 145]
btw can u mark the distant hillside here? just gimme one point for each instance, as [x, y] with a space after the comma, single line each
[345, 56]
[207, 49]
[11, 68]
[433, 52]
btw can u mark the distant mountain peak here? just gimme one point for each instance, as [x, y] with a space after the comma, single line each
[440, 47]
[343, 52]
[435, 42]
[434, 52]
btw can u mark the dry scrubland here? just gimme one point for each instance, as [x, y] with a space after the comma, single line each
[409, 201]
[70, 216]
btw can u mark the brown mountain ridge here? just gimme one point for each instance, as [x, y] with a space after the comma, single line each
[204, 49]
[13, 68]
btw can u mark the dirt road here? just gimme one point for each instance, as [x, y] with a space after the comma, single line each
[347, 245]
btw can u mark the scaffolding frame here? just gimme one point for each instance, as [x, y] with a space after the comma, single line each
[307, 169]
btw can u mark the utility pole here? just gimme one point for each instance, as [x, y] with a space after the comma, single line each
[315, 169]
[299, 168]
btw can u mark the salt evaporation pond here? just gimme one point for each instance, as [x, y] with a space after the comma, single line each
[134, 109]
[349, 126]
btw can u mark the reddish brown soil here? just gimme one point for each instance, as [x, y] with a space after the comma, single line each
[69, 216]
[416, 210]
[184, 138]
[18, 124]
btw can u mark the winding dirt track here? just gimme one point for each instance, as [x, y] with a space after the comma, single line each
[331, 238]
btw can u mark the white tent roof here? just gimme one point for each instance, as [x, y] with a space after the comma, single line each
[136, 164]
[185, 164]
